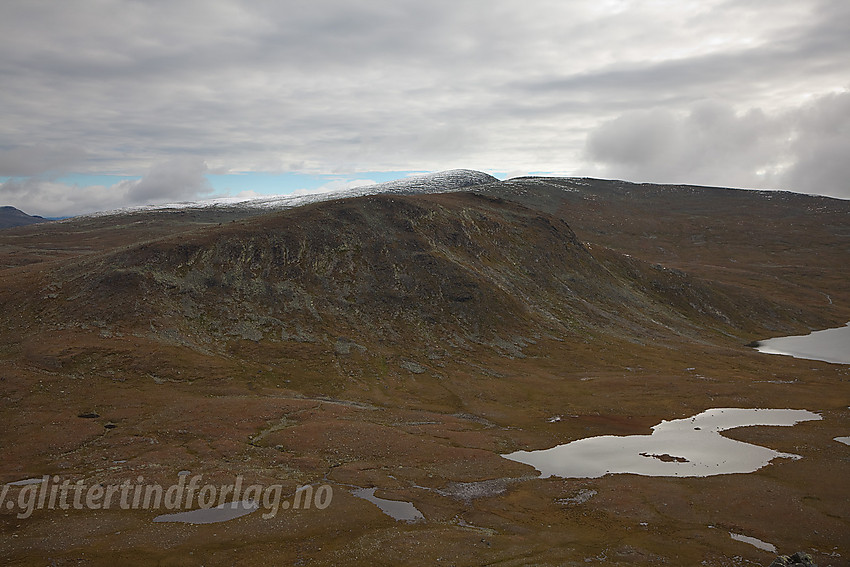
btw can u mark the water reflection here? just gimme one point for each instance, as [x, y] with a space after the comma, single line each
[763, 545]
[829, 345]
[222, 513]
[402, 511]
[682, 447]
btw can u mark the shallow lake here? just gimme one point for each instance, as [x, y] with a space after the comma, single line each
[763, 545]
[222, 513]
[686, 447]
[829, 345]
[397, 509]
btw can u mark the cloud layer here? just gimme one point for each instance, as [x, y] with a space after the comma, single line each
[173, 180]
[800, 149]
[331, 86]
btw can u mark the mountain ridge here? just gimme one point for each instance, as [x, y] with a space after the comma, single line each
[11, 217]
[438, 182]
[461, 268]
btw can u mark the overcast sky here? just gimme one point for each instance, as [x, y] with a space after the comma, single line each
[108, 103]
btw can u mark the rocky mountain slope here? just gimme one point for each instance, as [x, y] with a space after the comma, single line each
[780, 245]
[424, 271]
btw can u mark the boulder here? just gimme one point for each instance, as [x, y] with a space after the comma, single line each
[799, 559]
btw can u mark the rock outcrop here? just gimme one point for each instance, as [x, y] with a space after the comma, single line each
[799, 559]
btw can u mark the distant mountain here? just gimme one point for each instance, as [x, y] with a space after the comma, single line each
[10, 216]
[693, 257]
[419, 270]
[440, 182]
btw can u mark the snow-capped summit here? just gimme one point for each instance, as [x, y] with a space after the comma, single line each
[440, 182]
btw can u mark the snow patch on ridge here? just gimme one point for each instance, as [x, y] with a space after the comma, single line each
[441, 182]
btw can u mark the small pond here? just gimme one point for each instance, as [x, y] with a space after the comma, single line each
[755, 542]
[397, 509]
[687, 447]
[223, 513]
[829, 345]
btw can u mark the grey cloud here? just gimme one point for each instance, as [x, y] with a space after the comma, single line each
[176, 179]
[52, 199]
[39, 159]
[711, 144]
[821, 147]
[745, 72]
[801, 149]
[809, 48]
[169, 181]
[334, 85]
